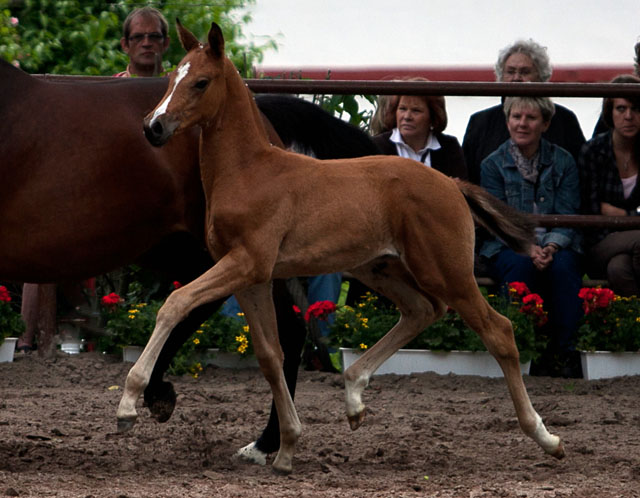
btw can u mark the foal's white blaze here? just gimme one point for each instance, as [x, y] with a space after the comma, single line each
[182, 72]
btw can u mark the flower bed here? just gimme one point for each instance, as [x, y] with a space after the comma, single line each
[610, 322]
[130, 322]
[11, 323]
[609, 334]
[361, 326]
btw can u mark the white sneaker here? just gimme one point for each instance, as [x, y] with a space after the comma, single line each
[252, 454]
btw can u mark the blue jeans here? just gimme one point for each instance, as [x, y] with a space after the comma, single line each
[558, 285]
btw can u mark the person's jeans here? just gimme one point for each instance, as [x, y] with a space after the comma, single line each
[558, 285]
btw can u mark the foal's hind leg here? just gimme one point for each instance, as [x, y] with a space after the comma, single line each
[496, 333]
[391, 279]
[257, 304]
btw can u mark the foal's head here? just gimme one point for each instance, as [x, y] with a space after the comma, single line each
[196, 88]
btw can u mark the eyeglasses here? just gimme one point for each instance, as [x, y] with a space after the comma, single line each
[153, 37]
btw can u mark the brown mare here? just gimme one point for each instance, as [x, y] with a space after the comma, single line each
[83, 192]
[409, 235]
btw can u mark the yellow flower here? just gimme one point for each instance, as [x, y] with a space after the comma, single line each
[196, 341]
[246, 328]
[141, 305]
[199, 331]
[363, 345]
[346, 325]
[240, 314]
[133, 311]
[365, 320]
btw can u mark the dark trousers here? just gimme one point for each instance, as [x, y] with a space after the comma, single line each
[558, 285]
[619, 255]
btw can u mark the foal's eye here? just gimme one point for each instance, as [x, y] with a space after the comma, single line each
[201, 84]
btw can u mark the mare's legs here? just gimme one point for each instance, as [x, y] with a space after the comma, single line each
[30, 312]
[391, 279]
[257, 304]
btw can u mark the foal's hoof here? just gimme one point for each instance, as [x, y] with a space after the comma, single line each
[559, 452]
[356, 420]
[282, 471]
[251, 453]
[161, 401]
[126, 424]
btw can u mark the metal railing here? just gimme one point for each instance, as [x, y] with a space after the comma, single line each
[450, 88]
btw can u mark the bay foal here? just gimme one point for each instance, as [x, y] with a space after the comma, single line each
[405, 230]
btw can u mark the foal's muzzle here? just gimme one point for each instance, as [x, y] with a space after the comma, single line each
[159, 130]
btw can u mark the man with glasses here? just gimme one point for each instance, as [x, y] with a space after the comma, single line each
[144, 39]
[524, 60]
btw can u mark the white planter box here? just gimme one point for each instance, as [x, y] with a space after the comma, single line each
[224, 359]
[607, 364]
[7, 348]
[131, 353]
[407, 361]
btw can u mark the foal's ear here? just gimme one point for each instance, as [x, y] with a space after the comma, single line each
[187, 40]
[216, 40]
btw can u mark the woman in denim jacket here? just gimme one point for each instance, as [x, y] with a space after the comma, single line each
[533, 175]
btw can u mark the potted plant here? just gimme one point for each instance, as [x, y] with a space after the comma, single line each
[609, 334]
[226, 341]
[11, 326]
[447, 345]
[221, 340]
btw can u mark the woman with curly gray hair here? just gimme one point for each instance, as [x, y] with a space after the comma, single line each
[522, 61]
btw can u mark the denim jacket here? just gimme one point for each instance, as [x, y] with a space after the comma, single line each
[557, 191]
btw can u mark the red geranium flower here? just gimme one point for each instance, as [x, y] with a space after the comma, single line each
[111, 300]
[320, 309]
[519, 289]
[4, 294]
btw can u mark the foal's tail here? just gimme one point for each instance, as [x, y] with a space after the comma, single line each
[515, 228]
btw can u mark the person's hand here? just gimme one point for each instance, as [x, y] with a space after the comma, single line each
[610, 210]
[548, 251]
[539, 257]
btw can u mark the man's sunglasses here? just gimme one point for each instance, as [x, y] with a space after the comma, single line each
[153, 37]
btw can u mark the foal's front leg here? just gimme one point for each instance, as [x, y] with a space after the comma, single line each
[220, 281]
[257, 304]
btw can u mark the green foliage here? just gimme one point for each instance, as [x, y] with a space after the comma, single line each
[130, 322]
[81, 37]
[611, 326]
[339, 105]
[367, 322]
